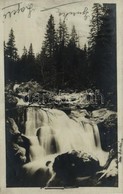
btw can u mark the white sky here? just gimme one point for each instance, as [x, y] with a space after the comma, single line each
[31, 30]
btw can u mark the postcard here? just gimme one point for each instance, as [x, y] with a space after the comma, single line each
[61, 96]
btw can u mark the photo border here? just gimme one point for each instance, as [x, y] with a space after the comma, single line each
[84, 190]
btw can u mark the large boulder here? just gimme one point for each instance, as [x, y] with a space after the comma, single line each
[70, 165]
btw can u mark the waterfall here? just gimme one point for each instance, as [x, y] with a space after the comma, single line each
[56, 133]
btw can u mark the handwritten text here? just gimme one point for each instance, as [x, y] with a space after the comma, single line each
[84, 13]
[14, 9]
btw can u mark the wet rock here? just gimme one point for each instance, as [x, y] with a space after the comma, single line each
[109, 175]
[102, 115]
[80, 113]
[111, 121]
[12, 126]
[70, 165]
[90, 107]
[19, 153]
[11, 101]
[67, 110]
[107, 123]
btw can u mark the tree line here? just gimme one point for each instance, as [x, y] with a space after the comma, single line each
[61, 63]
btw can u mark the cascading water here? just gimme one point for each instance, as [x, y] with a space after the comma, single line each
[51, 131]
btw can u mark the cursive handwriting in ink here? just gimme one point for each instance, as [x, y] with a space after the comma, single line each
[120, 151]
[84, 13]
[14, 9]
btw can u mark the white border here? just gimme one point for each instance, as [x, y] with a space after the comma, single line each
[84, 190]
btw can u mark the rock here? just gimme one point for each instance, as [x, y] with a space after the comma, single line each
[19, 153]
[109, 176]
[70, 165]
[11, 101]
[107, 123]
[67, 110]
[102, 115]
[12, 126]
[111, 121]
[90, 107]
[79, 115]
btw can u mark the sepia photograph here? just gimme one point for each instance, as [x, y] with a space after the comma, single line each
[61, 94]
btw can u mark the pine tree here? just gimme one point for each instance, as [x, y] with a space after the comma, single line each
[96, 22]
[102, 48]
[24, 55]
[11, 50]
[23, 65]
[85, 48]
[31, 68]
[50, 37]
[5, 53]
[11, 58]
[106, 46]
[61, 54]
[31, 55]
[93, 52]
[49, 50]
[74, 39]
[4, 44]
[41, 61]
[63, 36]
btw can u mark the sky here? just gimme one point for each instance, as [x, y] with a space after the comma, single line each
[29, 19]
